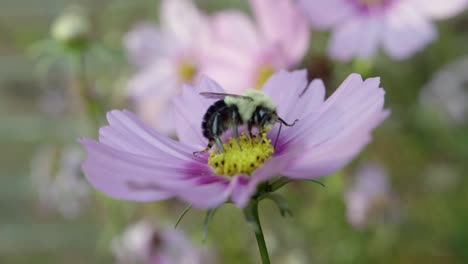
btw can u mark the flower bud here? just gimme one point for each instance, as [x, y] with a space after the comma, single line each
[72, 29]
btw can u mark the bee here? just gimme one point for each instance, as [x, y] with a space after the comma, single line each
[254, 109]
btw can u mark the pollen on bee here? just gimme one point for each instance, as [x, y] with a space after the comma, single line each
[243, 157]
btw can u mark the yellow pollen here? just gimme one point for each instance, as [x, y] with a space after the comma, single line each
[186, 70]
[245, 159]
[263, 73]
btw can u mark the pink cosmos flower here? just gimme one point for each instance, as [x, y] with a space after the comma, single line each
[144, 243]
[401, 27]
[245, 53]
[369, 196]
[133, 162]
[166, 57]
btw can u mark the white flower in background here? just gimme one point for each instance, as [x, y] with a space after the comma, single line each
[144, 243]
[369, 196]
[57, 179]
[447, 92]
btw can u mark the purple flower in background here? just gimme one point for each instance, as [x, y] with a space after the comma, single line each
[133, 162]
[401, 27]
[166, 57]
[368, 196]
[247, 53]
[144, 243]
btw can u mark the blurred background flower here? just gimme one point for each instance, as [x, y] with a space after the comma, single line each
[360, 27]
[277, 39]
[166, 57]
[145, 243]
[369, 196]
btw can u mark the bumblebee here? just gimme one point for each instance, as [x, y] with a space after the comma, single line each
[254, 109]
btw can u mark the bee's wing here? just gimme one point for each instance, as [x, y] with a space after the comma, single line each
[223, 95]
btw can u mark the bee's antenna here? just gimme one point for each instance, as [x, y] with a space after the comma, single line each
[286, 124]
[282, 122]
[277, 135]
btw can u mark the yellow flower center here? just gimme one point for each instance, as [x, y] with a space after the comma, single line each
[187, 70]
[242, 157]
[263, 73]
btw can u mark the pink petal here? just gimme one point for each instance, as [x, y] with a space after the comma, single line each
[283, 25]
[300, 101]
[228, 26]
[357, 37]
[325, 14]
[156, 111]
[123, 175]
[189, 109]
[143, 44]
[246, 186]
[130, 177]
[342, 128]
[406, 31]
[159, 79]
[182, 21]
[233, 75]
[129, 134]
[440, 9]
[292, 94]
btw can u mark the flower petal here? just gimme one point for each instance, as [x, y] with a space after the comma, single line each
[189, 108]
[127, 133]
[357, 37]
[183, 21]
[122, 175]
[342, 128]
[300, 99]
[246, 186]
[159, 79]
[406, 31]
[143, 44]
[229, 25]
[156, 111]
[440, 9]
[132, 177]
[325, 14]
[283, 25]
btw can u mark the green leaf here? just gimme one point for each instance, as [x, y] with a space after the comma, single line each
[281, 203]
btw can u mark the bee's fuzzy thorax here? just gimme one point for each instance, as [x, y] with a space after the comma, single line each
[246, 108]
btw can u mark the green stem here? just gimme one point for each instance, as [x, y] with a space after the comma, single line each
[255, 220]
[84, 97]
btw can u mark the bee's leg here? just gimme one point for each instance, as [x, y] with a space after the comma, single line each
[249, 128]
[219, 144]
[210, 144]
[235, 128]
[215, 131]
[263, 121]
